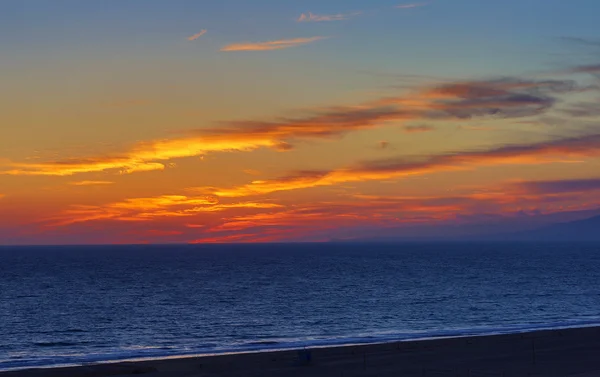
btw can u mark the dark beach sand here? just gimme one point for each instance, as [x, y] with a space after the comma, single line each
[569, 352]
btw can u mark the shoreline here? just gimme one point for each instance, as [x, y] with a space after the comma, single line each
[508, 352]
[274, 346]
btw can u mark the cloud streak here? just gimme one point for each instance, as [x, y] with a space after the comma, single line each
[595, 68]
[270, 45]
[142, 157]
[372, 215]
[562, 150]
[585, 42]
[418, 129]
[508, 98]
[151, 208]
[91, 183]
[411, 5]
[311, 17]
[197, 35]
[377, 214]
[583, 109]
[204, 218]
[560, 186]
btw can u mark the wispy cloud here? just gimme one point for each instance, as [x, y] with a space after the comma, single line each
[560, 186]
[191, 217]
[583, 109]
[380, 215]
[195, 226]
[311, 17]
[151, 208]
[585, 42]
[91, 183]
[411, 5]
[143, 157]
[197, 35]
[157, 233]
[418, 129]
[270, 45]
[562, 150]
[508, 98]
[594, 68]
[480, 128]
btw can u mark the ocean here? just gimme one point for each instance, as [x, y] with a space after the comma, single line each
[82, 304]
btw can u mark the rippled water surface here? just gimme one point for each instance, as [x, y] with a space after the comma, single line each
[61, 305]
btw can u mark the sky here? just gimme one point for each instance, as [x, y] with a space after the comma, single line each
[216, 121]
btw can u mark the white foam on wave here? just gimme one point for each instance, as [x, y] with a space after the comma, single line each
[149, 352]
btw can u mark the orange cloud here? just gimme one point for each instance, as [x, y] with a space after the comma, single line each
[197, 35]
[225, 239]
[90, 183]
[506, 98]
[162, 202]
[327, 212]
[142, 157]
[77, 166]
[221, 207]
[253, 235]
[562, 150]
[195, 226]
[189, 217]
[318, 221]
[146, 209]
[237, 136]
[270, 45]
[157, 233]
[311, 17]
[323, 220]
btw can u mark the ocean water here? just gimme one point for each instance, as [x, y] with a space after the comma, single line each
[73, 305]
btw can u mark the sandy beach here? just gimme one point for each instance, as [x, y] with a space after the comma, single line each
[566, 352]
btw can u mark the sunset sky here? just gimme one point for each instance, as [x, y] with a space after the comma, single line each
[154, 121]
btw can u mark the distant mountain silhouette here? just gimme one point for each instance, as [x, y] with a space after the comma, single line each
[580, 230]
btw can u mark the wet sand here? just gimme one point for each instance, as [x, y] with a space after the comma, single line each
[568, 352]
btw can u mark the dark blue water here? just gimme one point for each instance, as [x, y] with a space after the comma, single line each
[62, 305]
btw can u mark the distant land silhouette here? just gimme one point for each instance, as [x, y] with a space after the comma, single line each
[579, 230]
